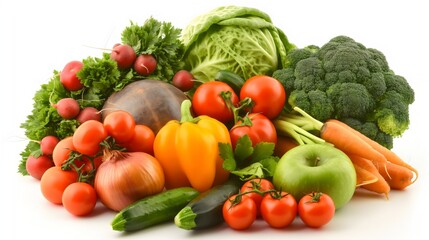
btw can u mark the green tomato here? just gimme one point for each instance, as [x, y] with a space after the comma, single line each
[316, 168]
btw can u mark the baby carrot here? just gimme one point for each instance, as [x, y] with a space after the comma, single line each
[387, 153]
[381, 185]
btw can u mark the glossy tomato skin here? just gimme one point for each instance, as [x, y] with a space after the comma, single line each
[79, 198]
[239, 216]
[54, 181]
[208, 101]
[88, 136]
[141, 141]
[120, 125]
[267, 93]
[316, 211]
[279, 211]
[262, 130]
[259, 184]
[63, 150]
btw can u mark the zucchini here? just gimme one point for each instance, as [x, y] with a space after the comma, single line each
[152, 210]
[205, 210]
[230, 78]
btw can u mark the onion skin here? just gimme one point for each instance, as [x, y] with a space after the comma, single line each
[125, 177]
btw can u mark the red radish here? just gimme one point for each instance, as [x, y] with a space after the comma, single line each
[124, 55]
[145, 64]
[69, 78]
[36, 167]
[67, 108]
[47, 144]
[183, 80]
[88, 113]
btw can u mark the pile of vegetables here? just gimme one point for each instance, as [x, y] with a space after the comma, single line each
[190, 125]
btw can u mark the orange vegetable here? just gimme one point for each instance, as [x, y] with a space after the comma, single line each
[188, 151]
[387, 153]
[399, 177]
[378, 186]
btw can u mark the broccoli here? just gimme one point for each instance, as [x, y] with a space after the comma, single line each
[343, 79]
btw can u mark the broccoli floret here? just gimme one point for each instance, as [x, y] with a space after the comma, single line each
[357, 81]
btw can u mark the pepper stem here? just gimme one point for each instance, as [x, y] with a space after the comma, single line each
[185, 110]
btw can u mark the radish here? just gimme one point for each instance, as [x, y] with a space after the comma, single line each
[124, 55]
[37, 166]
[145, 64]
[67, 108]
[183, 80]
[88, 113]
[47, 144]
[68, 77]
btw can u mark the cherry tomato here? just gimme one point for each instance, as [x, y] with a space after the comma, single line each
[63, 150]
[267, 93]
[259, 184]
[207, 100]
[54, 181]
[88, 136]
[37, 166]
[239, 213]
[261, 130]
[142, 140]
[120, 125]
[279, 209]
[79, 198]
[316, 209]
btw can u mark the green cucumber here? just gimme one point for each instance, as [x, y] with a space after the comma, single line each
[205, 211]
[152, 210]
[230, 78]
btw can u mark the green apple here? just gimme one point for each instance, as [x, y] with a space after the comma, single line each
[316, 167]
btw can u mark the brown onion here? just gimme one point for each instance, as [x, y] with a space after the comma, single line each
[125, 177]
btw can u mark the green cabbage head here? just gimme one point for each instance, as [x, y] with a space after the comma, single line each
[239, 39]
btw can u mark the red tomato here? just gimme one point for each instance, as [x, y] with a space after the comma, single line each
[261, 130]
[37, 166]
[259, 184]
[279, 209]
[120, 125]
[267, 93]
[207, 100]
[316, 209]
[79, 198]
[88, 136]
[142, 140]
[54, 181]
[62, 150]
[239, 214]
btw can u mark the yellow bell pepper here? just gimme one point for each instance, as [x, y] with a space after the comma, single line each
[188, 151]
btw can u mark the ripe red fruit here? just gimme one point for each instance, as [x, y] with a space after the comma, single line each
[68, 77]
[124, 55]
[145, 64]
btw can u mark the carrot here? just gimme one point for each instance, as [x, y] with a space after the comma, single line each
[381, 185]
[349, 142]
[400, 176]
[387, 153]
[284, 144]
[363, 176]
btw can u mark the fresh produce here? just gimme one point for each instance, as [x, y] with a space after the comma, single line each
[316, 167]
[205, 210]
[125, 177]
[279, 209]
[151, 102]
[239, 212]
[230, 78]
[67, 108]
[145, 64]
[124, 55]
[88, 113]
[188, 150]
[397, 176]
[88, 136]
[183, 80]
[54, 181]
[316, 209]
[152, 210]
[47, 145]
[213, 94]
[79, 198]
[255, 189]
[257, 126]
[37, 166]
[345, 80]
[267, 94]
[141, 140]
[239, 39]
[120, 125]
[68, 76]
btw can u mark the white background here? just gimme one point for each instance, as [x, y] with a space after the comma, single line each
[37, 37]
